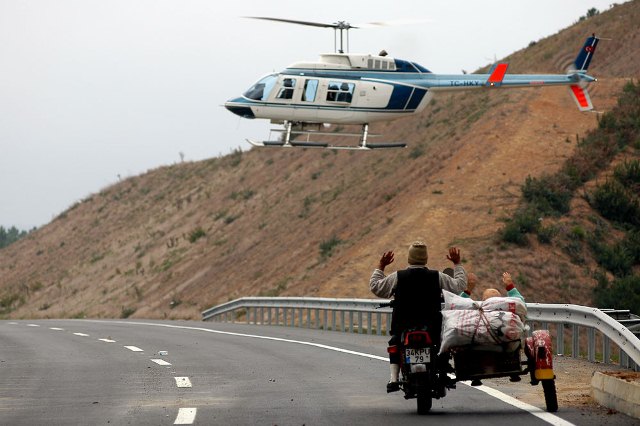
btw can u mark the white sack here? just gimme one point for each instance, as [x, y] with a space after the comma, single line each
[503, 304]
[472, 326]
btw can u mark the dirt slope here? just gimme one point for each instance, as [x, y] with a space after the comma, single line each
[179, 239]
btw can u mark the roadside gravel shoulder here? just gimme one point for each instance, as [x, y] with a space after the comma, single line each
[573, 387]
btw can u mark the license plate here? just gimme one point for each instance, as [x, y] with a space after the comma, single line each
[417, 356]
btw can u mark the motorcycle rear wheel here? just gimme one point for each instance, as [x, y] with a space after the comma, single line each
[424, 402]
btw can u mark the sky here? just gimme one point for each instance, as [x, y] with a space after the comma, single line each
[95, 91]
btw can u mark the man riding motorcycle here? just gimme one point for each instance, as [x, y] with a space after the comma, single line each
[417, 296]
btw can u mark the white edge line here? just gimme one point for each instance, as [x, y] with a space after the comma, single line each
[542, 415]
[538, 412]
[186, 416]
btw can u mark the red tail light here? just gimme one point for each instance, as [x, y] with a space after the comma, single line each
[392, 349]
[417, 338]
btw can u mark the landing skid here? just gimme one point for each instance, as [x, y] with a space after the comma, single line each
[286, 141]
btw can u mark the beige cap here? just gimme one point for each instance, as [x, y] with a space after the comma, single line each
[418, 253]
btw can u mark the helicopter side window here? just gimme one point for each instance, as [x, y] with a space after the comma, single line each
[310, 89]
[286, 92]
[340, 92]
[260, 91]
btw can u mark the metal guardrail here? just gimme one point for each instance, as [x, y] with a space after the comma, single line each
[365, 316]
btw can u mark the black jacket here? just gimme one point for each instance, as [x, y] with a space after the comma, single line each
[417, 302]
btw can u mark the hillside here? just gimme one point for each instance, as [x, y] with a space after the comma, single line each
[181, 238]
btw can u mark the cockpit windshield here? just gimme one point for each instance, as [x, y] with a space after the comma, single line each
[260, 91]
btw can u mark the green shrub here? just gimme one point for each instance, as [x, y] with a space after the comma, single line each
[614, 202]
[127, 312]
[196, 234]
[628, 173]
[523, 222]
[416, 152]
[327, 247]
[547, 233]
[578, 232]
[616, 258]
[574, 248]
[548, 194]
[622, 293]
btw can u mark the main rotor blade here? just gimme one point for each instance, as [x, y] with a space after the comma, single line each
[338, 25]
[395, 23]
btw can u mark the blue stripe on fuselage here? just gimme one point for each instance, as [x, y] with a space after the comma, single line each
[399, 97]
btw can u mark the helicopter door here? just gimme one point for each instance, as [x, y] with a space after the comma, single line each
[286, 92]
[339, 94]
[287, 89]
[307, 110]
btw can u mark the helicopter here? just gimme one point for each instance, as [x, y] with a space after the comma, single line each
[344, 88]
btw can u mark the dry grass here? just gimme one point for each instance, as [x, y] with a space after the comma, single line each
[266, 215]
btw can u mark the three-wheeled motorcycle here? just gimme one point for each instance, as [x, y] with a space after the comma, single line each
[425, 375]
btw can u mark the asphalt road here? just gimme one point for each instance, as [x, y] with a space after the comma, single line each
[59, 372]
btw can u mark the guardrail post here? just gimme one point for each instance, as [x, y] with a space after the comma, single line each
[388, 325]
[591, 350]
[369, 322]
[575, 344]
[560, 338]
[334, 327]
[360, 326]
[284, 317]
[308, 318]
[378, 323]
[350, 321]
[342, 323]
[324, 319]
[606, 349]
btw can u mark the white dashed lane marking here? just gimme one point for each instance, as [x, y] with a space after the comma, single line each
[183, 382]
[186, 416]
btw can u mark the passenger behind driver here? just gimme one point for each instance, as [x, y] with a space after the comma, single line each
[510, 287]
